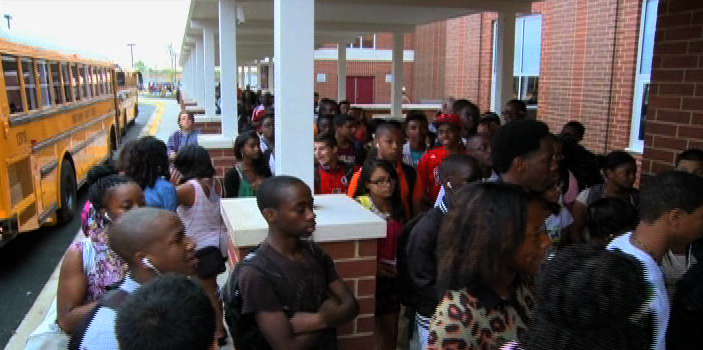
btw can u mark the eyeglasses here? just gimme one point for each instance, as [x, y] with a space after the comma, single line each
[387, 180]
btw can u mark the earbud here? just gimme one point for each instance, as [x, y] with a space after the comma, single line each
[146, 262]
[449, 185]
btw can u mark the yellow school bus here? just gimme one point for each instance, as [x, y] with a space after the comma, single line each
[57, 119]
[126, 83]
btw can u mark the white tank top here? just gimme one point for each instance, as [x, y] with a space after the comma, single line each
[203, 221]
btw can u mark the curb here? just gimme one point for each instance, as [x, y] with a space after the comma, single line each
[154, 120]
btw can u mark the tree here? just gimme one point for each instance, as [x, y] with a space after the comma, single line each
[140, 66]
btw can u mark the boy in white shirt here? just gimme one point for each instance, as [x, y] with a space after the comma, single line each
[671, 213]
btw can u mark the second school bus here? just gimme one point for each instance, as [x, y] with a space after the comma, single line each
[58, 117]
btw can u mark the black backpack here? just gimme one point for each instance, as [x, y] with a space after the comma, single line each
[406, 288]
[243, 327]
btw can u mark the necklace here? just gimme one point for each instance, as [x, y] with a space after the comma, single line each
[644, 246]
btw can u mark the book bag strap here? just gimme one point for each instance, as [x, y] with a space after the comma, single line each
[112, 300]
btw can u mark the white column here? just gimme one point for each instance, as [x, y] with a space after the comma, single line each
[240, 77]
[505, 51]
[209, 70]
[228, 66]
[258, 75]
[270, 75]
[199, 92]
[294, 63]
[191, 69]
[247, 75]
[341, 72]
[397, 72]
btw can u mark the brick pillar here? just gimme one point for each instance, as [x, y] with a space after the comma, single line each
[674, 120]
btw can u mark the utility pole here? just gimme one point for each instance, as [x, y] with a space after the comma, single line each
[131, 52]
[8, 18]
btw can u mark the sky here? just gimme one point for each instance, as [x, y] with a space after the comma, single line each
[100, 28]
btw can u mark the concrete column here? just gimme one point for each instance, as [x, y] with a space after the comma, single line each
[293, 49]
[397, 72]
[270, 75]
[228, 66]
[209, 70]
[258, 75]
[505, 51]
[199, 92]
[341, 72]
[191, 68]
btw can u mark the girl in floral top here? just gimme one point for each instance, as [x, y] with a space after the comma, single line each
[380, 193]
[90, 266]
[491, 243]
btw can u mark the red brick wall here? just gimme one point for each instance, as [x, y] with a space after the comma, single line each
[356, 264]
[222, 160]
[429, 67]
[589, 54]
[463, 69]
[674, 118]
[382, 90]
[208, 127]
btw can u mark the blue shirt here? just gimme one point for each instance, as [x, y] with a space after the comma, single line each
[161, 195]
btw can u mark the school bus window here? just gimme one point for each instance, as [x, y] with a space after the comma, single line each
[120, 79]
[101, 75]
[66, 82]
[29, 84]
[103, 80]
[96, 81]
[93, 91]
[74, 82]
[56, 83]
[42, 69]
[85, 82]
[12, 84]
[109, 81]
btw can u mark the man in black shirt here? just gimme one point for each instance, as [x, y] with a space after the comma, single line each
[294, 291]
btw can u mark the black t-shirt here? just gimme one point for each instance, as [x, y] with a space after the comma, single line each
[309, 281]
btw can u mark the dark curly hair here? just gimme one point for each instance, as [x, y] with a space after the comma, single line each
[516, 139]
[148, 161]
[260, 165]
[101, 179]
[193, 162]
[591, 298]
[480, 234]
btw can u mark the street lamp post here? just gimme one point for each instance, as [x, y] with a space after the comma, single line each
[131, 52]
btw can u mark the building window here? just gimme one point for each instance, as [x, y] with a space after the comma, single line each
[648, 25]
[526, 61]
[367, 41]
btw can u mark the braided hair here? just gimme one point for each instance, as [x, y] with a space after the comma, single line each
[148, 161]
[102, 179]
[591, 298]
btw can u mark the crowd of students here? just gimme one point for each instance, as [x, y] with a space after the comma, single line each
[498, 235]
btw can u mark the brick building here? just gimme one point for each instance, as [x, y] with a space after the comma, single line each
[675, 116]
[585, 60]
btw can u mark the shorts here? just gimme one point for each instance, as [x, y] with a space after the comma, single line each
[210, 262]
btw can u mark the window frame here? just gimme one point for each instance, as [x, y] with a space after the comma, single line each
[642, 80]
[40, 95]
[20, 86]
[33, 74]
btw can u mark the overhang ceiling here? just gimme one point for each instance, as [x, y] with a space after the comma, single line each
[335, 20]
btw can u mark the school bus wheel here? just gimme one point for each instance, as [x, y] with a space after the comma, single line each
[69, 198]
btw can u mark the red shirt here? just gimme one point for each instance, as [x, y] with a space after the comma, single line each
[428, 174]
[333, 181]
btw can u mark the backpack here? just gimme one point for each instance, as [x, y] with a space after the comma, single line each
[406, 287]
[245, 332]
[112, 299]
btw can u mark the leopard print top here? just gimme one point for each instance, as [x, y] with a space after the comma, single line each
[482, 322]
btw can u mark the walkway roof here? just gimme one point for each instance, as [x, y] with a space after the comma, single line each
[335, 20]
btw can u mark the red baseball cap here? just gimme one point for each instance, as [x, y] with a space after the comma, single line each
[447, 118]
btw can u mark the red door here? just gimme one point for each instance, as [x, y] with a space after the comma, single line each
[360, 90]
